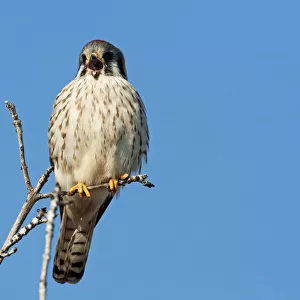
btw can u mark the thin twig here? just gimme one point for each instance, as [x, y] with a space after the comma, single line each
[18, 125]
[43, 179]
[44, 196]
[32, 193]
[121, 182]
[39, 219]
[31, 199]
[136, 178]
[49, 235]
[9, 253]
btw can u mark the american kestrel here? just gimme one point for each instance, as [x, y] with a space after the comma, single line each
[98, 133]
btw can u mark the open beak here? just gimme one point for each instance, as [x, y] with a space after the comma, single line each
[95, 64]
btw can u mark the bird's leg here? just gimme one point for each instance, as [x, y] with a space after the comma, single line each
[81, 188]
[114, 183]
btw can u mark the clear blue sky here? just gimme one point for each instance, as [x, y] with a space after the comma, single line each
[221, 82]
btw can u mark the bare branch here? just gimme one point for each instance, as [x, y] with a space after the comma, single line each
[49, 235]
[39, 219]
[35, 196]
[43, 179]
[44, 196]
[18, 125]
[122, 182]
[9, 253]
[32, 193]
[31, 199]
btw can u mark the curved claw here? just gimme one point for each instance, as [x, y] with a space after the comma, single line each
[114, 183]
[124, 176]
[81, 188]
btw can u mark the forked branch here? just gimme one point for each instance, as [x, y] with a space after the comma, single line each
[34, 195]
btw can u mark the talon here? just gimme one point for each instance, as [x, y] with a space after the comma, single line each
[113, 185]
[124, 176]
[81, 188]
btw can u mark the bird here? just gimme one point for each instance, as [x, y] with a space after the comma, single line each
[98, 133]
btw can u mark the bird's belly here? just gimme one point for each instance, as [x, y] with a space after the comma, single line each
[100, 152]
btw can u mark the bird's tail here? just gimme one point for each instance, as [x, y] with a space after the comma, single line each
[72, 251]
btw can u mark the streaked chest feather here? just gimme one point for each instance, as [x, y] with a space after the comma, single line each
[98, 127]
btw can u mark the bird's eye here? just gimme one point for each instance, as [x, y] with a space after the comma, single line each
[108, 56]
[82, 59]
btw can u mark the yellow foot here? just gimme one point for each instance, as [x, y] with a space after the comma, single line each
[114, 183]
[81, 188]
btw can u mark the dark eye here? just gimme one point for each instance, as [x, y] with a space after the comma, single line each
[108, 56]
[82, 59]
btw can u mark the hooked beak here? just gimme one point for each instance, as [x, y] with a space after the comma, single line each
[95, 64]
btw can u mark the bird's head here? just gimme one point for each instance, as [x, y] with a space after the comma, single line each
[101, 58]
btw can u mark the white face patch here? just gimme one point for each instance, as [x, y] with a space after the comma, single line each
[115, 69]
